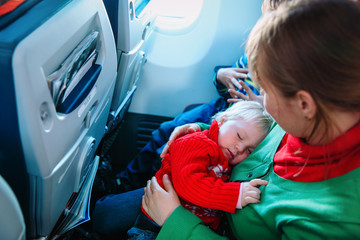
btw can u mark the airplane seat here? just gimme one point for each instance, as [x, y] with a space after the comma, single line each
[58, 69]
[191, 106]
[131, 22]
[12, 225]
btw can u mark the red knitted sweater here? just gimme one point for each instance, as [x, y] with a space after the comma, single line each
[199, 172]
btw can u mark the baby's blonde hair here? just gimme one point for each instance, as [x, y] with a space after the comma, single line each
[249, 111]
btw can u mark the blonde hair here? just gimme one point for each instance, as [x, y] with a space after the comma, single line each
[311, 45]
[249, 111]
[274, 4]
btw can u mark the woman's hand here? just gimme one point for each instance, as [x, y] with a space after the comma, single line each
[160, 203]
[179, 132]
[251, 96]
[229, 78]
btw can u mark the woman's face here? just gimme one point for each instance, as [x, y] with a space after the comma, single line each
[286, 111]
[238, 138]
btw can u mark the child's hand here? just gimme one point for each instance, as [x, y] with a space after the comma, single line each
[238, 96]
[229, 78]
[251, 192]
[179, 132]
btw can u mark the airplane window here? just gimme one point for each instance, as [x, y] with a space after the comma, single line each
[176, 16]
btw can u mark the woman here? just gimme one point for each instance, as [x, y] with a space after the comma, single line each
[306, 58]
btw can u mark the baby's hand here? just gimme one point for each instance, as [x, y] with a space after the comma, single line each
[251, 192]
[179, 132]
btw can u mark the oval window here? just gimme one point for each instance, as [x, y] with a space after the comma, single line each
[175, 16]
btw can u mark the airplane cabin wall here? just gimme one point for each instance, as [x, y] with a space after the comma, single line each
[180, 66]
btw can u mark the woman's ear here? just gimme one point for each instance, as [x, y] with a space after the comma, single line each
[306, 104]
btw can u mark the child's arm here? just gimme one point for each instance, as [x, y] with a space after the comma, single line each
[195, 182]
[179, 132]
[250, 193]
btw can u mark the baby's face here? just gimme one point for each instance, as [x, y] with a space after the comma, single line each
[238, 138]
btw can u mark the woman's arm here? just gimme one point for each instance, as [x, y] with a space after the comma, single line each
[163, 205]
[159, 203]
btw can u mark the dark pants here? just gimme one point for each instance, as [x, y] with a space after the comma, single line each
[144, 229]
[114, 215]
[147, 162]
